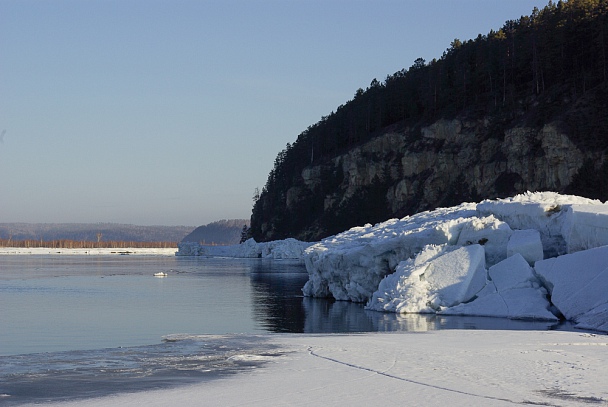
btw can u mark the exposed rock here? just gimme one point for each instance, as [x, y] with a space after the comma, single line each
[443, 164]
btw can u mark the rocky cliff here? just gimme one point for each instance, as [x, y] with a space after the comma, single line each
[521, 108]
[404, 171]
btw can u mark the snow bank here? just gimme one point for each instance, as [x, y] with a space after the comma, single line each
[279, 249]
[418, 263]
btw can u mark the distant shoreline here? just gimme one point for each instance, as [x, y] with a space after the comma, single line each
[132, 251]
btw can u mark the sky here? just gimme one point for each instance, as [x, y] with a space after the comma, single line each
[171, 112]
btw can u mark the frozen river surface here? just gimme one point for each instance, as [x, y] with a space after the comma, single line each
[82, 326]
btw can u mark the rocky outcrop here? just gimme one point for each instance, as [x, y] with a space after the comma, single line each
[445, 163]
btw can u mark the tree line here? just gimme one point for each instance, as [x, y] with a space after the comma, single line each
[529, 68]
[82, 244]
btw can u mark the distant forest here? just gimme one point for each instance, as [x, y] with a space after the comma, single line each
[86, 233]
[84, 244]
[525, 71]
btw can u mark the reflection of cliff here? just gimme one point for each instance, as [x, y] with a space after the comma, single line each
[277, 294]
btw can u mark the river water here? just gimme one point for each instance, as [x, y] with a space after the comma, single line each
[84, 326]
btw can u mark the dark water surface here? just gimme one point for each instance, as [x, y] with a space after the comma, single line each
[84, 326]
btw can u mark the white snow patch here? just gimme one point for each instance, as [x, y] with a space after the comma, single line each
[456, 368]
[278, 249]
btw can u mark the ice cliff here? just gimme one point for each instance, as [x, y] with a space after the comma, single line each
[503, 258]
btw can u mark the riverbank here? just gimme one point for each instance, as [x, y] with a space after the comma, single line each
[88, 251]
[438, 368]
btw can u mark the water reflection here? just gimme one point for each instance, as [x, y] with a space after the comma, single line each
[431, 322]
[326, 316]
[336, 316]
[278, 305]
[277, 295]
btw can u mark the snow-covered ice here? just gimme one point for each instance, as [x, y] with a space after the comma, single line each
[439, 277]
[436, 368]
[586, 227]
[412, 264]
[527, 243]
[490, 232]
[278, 249]
[578, 284]
[512, 292]
[350, 265]
[547, 212]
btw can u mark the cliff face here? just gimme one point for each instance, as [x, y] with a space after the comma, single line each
[522, 108]
[404, 171]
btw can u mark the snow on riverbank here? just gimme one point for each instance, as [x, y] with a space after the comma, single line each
[278, 249]
[102, 251]
[496, 258]
[437, 368]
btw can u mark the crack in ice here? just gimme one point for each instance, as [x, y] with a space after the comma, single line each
[384, 373]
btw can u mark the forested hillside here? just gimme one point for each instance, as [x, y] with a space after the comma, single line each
[222, 232]
[538, 84]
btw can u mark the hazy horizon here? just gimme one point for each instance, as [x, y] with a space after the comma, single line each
[172, 113]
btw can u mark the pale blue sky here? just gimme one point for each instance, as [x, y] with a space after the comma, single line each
[172, 112]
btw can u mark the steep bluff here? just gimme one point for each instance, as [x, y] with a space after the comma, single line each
[404, 171]
[521, 108]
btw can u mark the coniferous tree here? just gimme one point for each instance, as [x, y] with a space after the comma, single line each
[534, 68]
